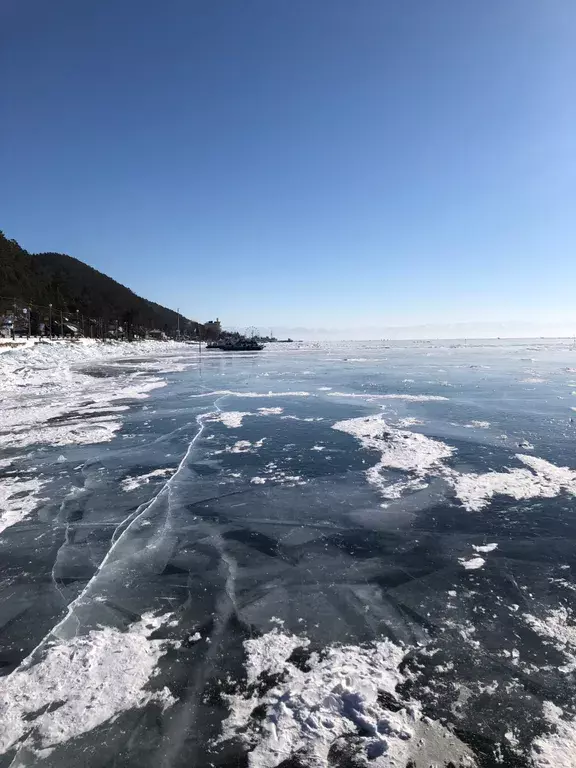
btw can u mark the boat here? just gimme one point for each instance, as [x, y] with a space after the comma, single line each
[235, 344]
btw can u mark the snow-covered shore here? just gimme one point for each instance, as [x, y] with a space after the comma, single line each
[53, 394]
[35, 363]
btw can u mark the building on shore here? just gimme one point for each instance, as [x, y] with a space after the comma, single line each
[212, 329]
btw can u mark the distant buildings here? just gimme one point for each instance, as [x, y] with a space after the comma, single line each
[54, 322]
[158, 335]
[6, 326]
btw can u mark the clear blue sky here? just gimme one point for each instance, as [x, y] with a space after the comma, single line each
[312, 163]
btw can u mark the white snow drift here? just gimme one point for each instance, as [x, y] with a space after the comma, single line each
[420, 457]
[92, 677]
[342, 693]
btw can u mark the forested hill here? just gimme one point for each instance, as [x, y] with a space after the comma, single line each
[41, 279]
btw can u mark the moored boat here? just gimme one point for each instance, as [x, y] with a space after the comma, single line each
[235, 344]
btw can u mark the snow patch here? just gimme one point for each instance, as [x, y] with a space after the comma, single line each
[558, 748]
[345, 697]
[559, 627]
[131, 483]
[394, 490]
[400, 449]
[484, 547]
[300, 418]
[409, 398]
[231, 419]
[92, 678]
[235, 393]
[245, 446]
[409, 421]
[18, 499]
[472, 563]
[420, 455]
[542, 479]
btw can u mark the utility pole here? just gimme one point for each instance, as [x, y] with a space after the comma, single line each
[50, 316]
[29, 324]
[178, 316]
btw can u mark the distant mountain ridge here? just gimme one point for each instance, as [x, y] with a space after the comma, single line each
[69, 284]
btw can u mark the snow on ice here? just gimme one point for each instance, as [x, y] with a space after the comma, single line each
[93, 677]
[344, 698]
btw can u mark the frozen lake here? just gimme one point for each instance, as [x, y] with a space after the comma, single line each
[320, 554]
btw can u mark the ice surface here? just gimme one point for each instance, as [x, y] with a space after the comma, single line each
[233, 529]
